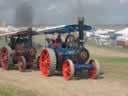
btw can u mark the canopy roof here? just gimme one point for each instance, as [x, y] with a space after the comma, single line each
[64, 29]
[48, 30]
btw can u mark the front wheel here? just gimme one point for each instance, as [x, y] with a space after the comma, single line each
[68, 69]
[95, 71]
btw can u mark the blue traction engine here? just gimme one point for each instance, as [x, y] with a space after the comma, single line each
[70, 57]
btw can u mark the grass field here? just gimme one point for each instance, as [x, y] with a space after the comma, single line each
[114, 65]
[5, 91]
[109, 47]
[8, 90]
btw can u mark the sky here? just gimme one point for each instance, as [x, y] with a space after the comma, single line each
[57, 12]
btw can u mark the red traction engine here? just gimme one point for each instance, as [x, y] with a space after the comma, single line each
[19, 53]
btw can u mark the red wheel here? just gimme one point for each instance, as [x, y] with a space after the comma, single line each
[21, 64]
[5, 58]
[47, 62]
[95, 71]
[68, 69]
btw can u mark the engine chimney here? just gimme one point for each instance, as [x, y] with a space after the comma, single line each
[81, 31]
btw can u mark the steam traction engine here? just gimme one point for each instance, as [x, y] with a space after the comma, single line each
[19, 52]
[69, 57]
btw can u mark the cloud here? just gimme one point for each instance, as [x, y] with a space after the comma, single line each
[51, 7]
[94, 2]
[123, 1]
[66, 11]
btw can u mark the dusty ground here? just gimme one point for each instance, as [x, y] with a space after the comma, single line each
[57, 86]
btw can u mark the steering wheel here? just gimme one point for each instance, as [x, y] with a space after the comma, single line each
[70, 41]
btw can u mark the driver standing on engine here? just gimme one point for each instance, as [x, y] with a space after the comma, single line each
[59, 39]
[58, 42]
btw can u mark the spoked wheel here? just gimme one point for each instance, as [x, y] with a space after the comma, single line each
[21, 64]
[5, 58]
[95, 71]
[68, 69]
[47, 62]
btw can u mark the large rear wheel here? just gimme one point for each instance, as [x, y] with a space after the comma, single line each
[5, 58]
[95, 71]
[47, 62]
[68, 69]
